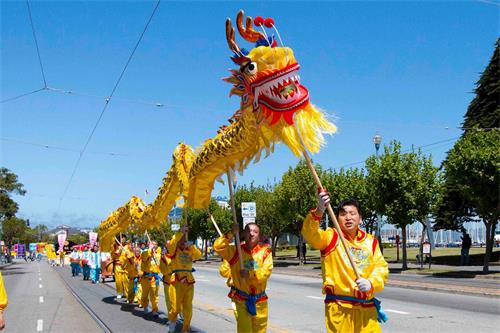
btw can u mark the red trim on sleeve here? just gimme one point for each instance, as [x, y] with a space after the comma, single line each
[374, 245]
[268, 252]
[332, 245]
[234, 259]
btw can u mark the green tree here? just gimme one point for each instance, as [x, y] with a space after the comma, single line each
[484, 109]
[352, 183]
[402, 181]
[14, 229]
[9, 185]
[473, 167]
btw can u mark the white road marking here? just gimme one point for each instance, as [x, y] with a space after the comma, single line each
[39, 325]
[202, 280]
[315, 297]
[40, 299]
[40, 286]
[396, 311]
[39, 279]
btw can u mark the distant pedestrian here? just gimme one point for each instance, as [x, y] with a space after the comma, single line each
[95, 264]
[466, 244]
[74, 258]
[61, 257]
[85, 263]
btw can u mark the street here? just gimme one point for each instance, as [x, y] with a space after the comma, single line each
[46, 299]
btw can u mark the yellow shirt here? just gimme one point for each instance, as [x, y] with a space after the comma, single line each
[258, 262]
[165, 268]
[225, 272]
[150, 263]
[338, 275]
[3, 295]
[181, 265]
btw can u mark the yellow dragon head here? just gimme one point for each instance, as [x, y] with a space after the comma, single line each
[269, 86]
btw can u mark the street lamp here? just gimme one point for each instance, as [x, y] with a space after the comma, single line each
[377, 139]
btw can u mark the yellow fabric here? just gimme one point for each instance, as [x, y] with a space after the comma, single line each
[149, 293]
[181, 298]
[182, 259]
[225, 272]
[258, 262]
[338, 275]
[117, 256]
[251, 324]
[149, 263]
[340, 319]
[4, 300]
[165, 270]
[133, 271]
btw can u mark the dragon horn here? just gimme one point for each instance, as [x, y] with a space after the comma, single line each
[248, 32]
[230, 37]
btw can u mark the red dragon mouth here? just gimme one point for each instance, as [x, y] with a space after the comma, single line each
[280, 92]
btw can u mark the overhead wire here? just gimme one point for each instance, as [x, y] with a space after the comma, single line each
[36, 44]
[82, 152]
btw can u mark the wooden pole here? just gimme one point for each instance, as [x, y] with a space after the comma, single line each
[215, 224]
[328, 207]
[149, 240]
[235, 220]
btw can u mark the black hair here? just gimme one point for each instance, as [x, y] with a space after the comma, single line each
[349, 202]
[251, 223]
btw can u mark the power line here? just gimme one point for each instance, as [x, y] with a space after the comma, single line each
[72, 92]
[36, 43]
[406, 150]
[59, 148]
[82, 152]
[22, 95]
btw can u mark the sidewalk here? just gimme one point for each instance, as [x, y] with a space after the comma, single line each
[460, 279]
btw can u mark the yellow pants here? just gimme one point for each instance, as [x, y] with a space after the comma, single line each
[131, 296]
[248, 323]
[166, 291]
[181, 299]
[121, 278]
[149, 293]
[346, 320]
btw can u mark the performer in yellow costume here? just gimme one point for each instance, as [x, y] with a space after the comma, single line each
[165, 263]
[350, 306]
[137, 287]
[249, 284]
[150, 267]
[3, 302]
[182, 281]
[117, 255]
[132, 271]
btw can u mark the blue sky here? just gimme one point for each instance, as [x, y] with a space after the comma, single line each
[403, 69]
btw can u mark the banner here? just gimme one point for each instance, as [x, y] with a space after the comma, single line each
[92, 238]
[61, 238]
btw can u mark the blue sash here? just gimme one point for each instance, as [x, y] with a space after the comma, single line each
[381, 315]
[136, 281]
[154, 275]
[250, 300]
[192, 270]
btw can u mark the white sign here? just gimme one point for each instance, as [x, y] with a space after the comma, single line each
[176, 227]
[248, 209]
[247, 220]
[426, 248]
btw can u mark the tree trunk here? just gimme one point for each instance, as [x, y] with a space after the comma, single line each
[422, 237]
[490, 237]
[403, 235]
[275, 245]
[206, 248]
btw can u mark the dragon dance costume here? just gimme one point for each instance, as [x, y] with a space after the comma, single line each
[347, 309]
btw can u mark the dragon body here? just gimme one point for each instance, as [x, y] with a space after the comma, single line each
[274, 108]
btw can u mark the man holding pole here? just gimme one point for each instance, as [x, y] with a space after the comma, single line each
[181, 291]
[350, 305]
[249, 277]
[118, 257]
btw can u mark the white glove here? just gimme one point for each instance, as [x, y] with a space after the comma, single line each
[323, 200]
[364, 285]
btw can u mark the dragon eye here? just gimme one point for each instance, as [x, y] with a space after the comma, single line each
[251, 68]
